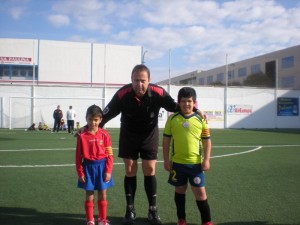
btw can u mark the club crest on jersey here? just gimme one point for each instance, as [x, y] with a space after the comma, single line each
[185, 124]
[197, 180]
[152, 115]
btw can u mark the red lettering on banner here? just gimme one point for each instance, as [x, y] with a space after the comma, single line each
[15, 60]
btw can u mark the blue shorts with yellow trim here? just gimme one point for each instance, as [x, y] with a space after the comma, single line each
[94, 176]
[182, 173]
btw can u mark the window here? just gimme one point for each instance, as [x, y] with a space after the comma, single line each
[201, 81]
[6, 73]
[231, 75]
[209, 79]
[242, 72]
[23, 73]
[255, 69]
[287, 62]
[15, 73]
[220, 77]
[18, 71]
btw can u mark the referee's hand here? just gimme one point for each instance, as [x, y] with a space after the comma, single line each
[80, 130]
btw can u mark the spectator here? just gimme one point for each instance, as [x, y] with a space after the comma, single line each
[71, 114]
[57, 115]
[32, 127]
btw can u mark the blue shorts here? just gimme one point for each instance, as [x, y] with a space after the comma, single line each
[94, 176]
[182, 173]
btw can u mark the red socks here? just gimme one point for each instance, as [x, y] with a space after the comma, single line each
[89, 210]
[102, 209]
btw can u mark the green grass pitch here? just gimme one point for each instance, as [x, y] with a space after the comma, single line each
[254, 180]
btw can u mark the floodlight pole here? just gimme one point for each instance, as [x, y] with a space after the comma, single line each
[276, 90]
[169, 86]
[169, 82]
[143, 57]
[225, 93]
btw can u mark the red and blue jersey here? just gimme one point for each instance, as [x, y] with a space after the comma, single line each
[93, 147]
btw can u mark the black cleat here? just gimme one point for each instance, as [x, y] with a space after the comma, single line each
[153, 216]
[129, 216]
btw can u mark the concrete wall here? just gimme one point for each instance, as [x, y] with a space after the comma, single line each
[75, 63]
[246, 107]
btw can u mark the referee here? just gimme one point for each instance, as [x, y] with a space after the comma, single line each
[139, 103]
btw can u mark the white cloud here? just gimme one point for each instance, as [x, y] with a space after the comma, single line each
[86, 15]
[199, 32]
[59, 20]
[16, 12]
[180, 13]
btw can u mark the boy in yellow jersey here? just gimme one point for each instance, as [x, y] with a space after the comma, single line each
[189, 136]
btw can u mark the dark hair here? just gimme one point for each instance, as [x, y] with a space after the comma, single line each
[140, 67]
[187, 92]
[94, 110]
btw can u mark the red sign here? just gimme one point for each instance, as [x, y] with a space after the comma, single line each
[15, 60]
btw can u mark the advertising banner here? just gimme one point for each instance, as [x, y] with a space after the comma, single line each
[239, 109]
[287, 107]
[15, 60]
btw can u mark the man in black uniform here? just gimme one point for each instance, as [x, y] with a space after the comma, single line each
[139, 104]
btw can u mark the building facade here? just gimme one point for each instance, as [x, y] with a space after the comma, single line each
[66, 63]
[279, 69]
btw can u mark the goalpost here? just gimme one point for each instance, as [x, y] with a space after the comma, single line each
[23, 111]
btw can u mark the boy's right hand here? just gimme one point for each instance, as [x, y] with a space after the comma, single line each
[167, 165]
[81, 179]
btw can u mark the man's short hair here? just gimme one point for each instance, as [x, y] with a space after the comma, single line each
[140, 67]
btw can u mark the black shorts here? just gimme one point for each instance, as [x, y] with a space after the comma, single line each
[135, 145]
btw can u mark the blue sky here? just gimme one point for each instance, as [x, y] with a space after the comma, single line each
[199, 33]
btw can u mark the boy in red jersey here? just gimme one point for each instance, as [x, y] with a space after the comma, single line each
[94, 163]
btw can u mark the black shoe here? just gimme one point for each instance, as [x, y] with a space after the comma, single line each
[129, 216]
[153, 216]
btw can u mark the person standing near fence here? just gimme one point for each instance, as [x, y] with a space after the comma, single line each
[57, 115]
[71, 114]
[188, 136]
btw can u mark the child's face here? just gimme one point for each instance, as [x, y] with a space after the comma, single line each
[186, 105]
[93, 122]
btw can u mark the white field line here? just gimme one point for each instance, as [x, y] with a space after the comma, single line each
[255, 148]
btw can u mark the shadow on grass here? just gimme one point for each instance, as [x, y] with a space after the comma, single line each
[7, 139]
[249, 223]
[237, 223]
[25, 216]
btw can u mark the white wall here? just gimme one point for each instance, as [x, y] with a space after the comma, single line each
[260, 103]
[76, 63]
[61, 61]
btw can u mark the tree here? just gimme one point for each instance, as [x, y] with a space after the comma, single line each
[258, 80]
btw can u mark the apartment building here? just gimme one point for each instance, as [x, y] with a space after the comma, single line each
[279, 69]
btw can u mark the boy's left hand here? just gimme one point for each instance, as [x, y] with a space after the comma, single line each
[107, 177]
[205, 165]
